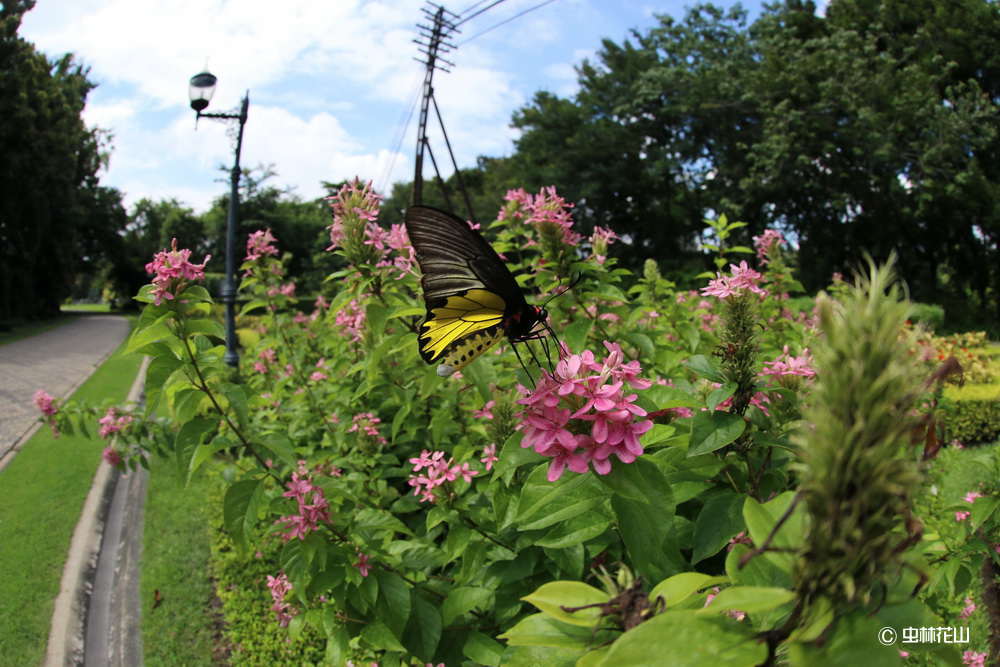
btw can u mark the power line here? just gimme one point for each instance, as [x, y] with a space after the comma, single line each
[467, 9]
[484, 9]
[402, 126]
[515, 16]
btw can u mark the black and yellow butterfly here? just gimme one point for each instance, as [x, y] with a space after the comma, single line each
[472, 299]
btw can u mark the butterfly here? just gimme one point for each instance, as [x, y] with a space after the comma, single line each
[472, 299]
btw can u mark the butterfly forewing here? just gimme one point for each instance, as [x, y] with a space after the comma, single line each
[471, 296]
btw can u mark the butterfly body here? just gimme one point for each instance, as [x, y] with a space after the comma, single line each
[472, 300]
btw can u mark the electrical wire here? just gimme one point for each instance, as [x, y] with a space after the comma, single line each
[403, 127]
[484, 9]
[467, 9]
[515, 16]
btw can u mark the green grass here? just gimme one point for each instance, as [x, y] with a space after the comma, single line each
[175, 562]
[86, 308]
[43, 491]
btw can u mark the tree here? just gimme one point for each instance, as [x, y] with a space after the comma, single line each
[55, 219]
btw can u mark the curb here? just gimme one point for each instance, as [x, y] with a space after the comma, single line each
[69, 615]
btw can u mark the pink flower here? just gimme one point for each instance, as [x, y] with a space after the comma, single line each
[485, 412]
[280, 587]
[367, 423]
[971, 496]
[962, 516]
[317, 376]
[581, 415]
[437, 471]
[45, 403]
[259, 367]
[741, 277]
[904, 654]
[786, 365]
[313, 507]
[353, 202]
[260, 244]
[970, 606]
[112, 457]
[973, 659]
[599, 242]
[363, 565]
[172, 271]
[112, 422]
[766, 243]
[489, 456]
[546, 211]
[351, 318]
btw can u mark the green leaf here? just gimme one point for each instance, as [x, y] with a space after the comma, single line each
[153, 333]
[706, 368]
[187, 441]
[482, 650]
[336, 643]
[714, 430]
[423, 632]
[720, 519]
[281, 446]
[679, 587]
[575, 334]
[645, 546]
[550, 598]
[758, 571]
[380, 637]
[749, 599]
[761, 518]
[464, 599]
[393, 605]
[544, 503]
[195, 293]
[206, 327]
[252, 306]
[684, 639]
[408, 311]
[542, 630]
[576, 530]
[237, 401]
[641, 481]
[719, 395]
[234, 509]
[645, 344]
[983, 509]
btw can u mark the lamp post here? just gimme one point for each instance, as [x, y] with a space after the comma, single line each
[201, 89]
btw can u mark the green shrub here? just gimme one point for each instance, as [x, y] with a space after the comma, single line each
[972, 413]
[929, 314]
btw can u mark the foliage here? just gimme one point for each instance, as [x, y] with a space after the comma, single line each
[55, 217]
[972, 413]
[416, 519]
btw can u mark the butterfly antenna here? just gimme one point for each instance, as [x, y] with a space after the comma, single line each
[573, 283]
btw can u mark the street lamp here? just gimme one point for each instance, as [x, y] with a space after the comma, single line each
[200, 90]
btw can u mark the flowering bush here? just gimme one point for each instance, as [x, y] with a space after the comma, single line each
[410, 519]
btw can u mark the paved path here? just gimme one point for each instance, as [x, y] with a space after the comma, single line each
[58, 361]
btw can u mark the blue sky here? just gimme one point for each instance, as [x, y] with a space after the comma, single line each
[330, 81]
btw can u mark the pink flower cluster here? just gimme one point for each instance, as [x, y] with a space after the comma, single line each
[766, 243]
[581, 414]
[489, 456]
[45, 403]
[546, 211]
[266, 358]
[787, 365]
[759, 400]
[111, 456]
[396, 239]
[288, 289]
[973, 659]
[351, 318]
[261, 244]
[367, 423]
[599, 242]
[313, 507]
[363, 564]
[280, 587]
[968, 609]
[970, 498]
[485, 412]
[172, 270]
[437, 471]
[353, 199]
[112, 422]
[741, 277]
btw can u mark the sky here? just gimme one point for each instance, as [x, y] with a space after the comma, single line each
[330, 82]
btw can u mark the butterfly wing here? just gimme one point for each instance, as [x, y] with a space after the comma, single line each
[468, 290]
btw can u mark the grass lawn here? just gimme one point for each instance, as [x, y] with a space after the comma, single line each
[86, 308]
[175, 562]
[43, 491]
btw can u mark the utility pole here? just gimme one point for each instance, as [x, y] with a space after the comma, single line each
[432, 43]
